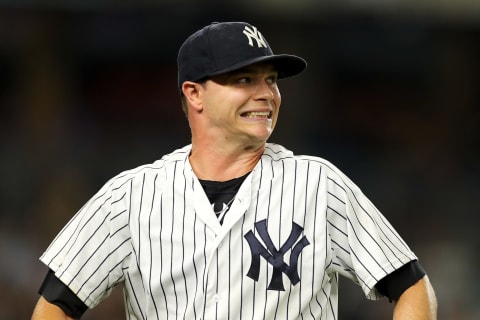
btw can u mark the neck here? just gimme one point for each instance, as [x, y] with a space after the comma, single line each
[219, 164]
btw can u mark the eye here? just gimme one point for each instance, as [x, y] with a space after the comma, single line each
[272, 79]
[244, 79]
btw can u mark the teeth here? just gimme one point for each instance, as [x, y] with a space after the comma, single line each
[257, 114]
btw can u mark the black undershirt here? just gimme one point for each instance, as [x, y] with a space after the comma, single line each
[56, 292]
[221, 195]
[394, 284]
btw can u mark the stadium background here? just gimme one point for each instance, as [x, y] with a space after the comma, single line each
[391, 96]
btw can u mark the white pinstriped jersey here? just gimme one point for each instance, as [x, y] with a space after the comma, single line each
[296, 224]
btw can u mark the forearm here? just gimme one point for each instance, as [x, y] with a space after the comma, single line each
[44, 310]
[417, 302]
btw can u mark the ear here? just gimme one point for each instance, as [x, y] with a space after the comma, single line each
[193, 94]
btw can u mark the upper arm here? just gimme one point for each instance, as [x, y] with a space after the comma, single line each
[417, 302]
[45, 310]
[395, 283]
[90, 252]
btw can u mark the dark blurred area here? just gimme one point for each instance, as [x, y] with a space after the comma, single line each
[391, 96]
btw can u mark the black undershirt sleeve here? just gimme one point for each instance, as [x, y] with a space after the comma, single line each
[391, 286]
[394, 284]
[57, 293]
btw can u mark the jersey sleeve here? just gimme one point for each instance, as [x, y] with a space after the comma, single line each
[57, 293]
[92, 250]
[366, 246]
[394, 284]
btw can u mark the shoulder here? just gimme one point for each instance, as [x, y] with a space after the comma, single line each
[276, 155]
[155, 168]
[275, 152]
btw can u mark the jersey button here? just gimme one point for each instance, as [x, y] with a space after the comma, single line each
[216, 298]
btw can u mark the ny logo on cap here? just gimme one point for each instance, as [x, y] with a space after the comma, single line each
[254, 34]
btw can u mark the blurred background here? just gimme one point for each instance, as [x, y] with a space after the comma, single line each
[391, 96]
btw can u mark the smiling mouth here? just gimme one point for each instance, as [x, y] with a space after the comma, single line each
[258, 115]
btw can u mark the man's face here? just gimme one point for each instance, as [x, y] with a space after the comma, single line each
[243, 104]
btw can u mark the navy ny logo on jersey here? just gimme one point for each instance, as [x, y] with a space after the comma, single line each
[275, 256]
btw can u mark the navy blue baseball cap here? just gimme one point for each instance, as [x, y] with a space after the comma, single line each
[227, 46]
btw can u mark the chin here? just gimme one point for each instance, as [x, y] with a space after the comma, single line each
[262, 138]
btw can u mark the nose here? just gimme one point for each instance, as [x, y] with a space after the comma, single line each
[265, 91]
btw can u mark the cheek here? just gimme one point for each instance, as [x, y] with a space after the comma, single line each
[229, 100]
[275, 116]
[277, 97]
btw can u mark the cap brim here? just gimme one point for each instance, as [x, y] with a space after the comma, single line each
[287, 65]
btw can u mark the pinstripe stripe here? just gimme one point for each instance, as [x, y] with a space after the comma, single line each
[153, 228]
[184, 201]
[150, 226]
[171, 237]
[161, 270]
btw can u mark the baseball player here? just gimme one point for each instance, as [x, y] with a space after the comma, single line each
[230, 227]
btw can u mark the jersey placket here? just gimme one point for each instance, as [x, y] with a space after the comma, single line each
[218, 244]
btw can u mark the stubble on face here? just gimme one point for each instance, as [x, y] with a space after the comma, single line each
[244, 103]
